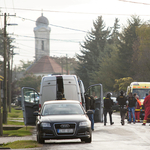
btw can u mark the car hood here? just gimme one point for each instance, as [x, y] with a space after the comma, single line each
[64, 118]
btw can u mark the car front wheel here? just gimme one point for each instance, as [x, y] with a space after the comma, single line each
[87, 140]
[39, 139]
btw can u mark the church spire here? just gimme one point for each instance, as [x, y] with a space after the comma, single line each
[42, 13]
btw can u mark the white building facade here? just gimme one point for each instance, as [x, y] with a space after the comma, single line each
[42, 37]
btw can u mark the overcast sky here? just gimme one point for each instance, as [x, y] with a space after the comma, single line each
[78, 15]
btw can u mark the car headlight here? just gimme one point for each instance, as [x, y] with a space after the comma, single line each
[44, 124]
[85, 124]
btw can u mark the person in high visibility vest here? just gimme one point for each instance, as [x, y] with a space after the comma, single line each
[147, 108]
[137, 109]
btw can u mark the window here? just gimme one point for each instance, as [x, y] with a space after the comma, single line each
[42, 46]
[62, 109]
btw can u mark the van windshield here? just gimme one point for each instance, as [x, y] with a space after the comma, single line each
[62, 109]
[141, 92]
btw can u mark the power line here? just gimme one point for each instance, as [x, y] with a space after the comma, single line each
[54, 25]
[85, 13]
[55, 11]
[47, 38]
[134, 2]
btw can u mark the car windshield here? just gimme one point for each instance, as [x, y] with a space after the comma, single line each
[62, 109]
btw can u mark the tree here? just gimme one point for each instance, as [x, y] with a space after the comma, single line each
[141, 63]
[24, 65]
[125, 53]
[65, 62]
[107, 72]
[92, 51]
[30, 81]
[122, 83]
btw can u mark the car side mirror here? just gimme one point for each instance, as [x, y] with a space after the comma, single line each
[36, 113]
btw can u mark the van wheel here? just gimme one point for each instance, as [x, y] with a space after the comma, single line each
[39, 139]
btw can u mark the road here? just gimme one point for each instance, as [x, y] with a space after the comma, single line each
[117, 137]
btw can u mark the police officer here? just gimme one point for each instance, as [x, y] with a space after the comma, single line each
[122, 101]
[108, 102]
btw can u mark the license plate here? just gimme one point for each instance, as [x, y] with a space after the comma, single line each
[64, 130]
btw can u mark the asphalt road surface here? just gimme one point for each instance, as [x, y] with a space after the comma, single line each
[115, 137]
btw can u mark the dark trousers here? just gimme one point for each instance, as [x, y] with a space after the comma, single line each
[109, 111]
[122, 113]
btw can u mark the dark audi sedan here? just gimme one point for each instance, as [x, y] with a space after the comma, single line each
[63, 119]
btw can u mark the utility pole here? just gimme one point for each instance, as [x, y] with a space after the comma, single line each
[5, 74]
[67, 63]
[62, 65]
[5, 69]
[9, 80]
[1, 124]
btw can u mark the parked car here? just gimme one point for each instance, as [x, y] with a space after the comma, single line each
[34, 97]
[115, 106]
[18, 101]
[63, 119]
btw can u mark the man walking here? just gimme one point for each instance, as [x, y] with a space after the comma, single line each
[122, 101]
[147, 108]
[131, 107]
[108, 102]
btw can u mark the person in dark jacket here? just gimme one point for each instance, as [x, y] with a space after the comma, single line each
[131, 107]
[108, 102]
[122, 101]
[90, 106]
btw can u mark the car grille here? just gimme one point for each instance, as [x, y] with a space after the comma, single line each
[69, 129]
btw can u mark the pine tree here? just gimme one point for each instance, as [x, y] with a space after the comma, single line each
[107, 72]
[92, 51]
[125, 52]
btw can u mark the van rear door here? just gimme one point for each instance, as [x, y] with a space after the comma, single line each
[71, 88]
[48, 89]
[30, 103]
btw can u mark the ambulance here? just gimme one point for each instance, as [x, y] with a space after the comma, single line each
[141, 89]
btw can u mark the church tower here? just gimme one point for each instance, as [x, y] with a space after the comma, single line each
[42, 37]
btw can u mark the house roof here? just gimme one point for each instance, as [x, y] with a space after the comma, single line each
[45, 65]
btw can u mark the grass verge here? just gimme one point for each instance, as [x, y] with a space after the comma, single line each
[20, 132]
[14, 117]
[15, 113]
[14, 123]
[22, 144]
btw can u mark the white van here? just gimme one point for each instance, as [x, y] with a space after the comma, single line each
[53, 87]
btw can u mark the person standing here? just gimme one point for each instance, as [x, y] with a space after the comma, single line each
[122, 101]
[90, 107]
[131, 107]
[137, 109]
[108, 102]
[147, 108]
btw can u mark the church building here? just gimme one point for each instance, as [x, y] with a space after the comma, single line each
[44, 64]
